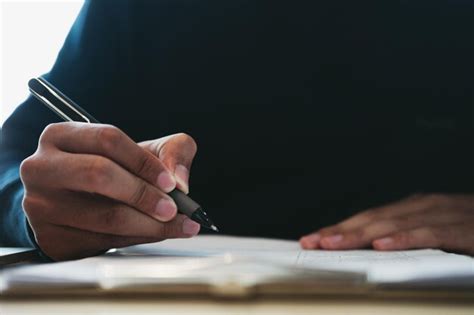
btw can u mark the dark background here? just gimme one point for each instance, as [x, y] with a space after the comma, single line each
[304, 112]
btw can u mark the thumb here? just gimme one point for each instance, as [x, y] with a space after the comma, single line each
[177, 153]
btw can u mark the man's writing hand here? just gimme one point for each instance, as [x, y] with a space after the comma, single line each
[89, 187]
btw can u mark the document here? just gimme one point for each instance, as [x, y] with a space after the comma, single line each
[245, 262]
[379, 266]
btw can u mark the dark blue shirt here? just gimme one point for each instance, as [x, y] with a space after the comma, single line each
[304, 111]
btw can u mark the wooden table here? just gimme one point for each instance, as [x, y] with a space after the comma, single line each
[325, 305]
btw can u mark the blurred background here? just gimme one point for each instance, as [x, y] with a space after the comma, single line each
[27, 51]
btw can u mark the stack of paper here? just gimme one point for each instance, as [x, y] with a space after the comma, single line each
[225, 262]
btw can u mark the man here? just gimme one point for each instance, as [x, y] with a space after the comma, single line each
[305, 113]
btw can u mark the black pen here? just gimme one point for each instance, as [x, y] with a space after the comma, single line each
[70, 111]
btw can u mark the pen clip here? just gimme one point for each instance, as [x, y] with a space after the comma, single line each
[51, 106]
[57, 100]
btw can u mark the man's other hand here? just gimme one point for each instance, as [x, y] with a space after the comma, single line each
[421, 221]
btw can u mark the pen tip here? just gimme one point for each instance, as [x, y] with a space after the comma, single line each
[214, 228]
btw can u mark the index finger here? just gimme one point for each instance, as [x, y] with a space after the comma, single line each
[109, 141]
[396, 209]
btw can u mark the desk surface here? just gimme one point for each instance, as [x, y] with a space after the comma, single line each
[274, 307]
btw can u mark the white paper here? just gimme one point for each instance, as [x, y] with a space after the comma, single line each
[379, 266]
[181, 257]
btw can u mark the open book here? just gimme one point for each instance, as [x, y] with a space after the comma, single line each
[228, 265]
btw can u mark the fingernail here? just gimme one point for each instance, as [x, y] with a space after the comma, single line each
[310, 241]
[190, 227]
[181, 173]
[166, 182]
[332, 240]
[165, 209]
[384, 242]
[313, 237]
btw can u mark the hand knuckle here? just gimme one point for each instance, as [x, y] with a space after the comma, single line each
[53, 128]
[369, 215]
[49, 132]
[324, 231]
[37, 207]
[28, 167]
[139, 195]
[328, 230]
[109, 137]
[146, 165]
[188, 141]
[97, 172]
[30, 205]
